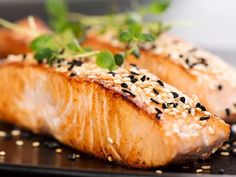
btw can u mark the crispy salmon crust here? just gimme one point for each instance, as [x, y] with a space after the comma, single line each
[91, 113]
[185, 67]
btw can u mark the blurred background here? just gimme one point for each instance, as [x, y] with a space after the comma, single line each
[209, 24]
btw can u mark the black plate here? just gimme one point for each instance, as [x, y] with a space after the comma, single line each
[44, 160]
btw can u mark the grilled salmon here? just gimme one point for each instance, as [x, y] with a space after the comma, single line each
[190, 69]
[17, 41]
[128, 115]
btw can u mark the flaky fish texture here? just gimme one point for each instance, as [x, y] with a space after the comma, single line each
[128, 116]
[182, 65]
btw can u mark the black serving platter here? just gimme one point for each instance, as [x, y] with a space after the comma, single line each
[44, 160]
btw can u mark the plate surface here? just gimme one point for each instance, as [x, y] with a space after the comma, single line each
[44, 160]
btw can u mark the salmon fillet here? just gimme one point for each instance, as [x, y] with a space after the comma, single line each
[128, 115]
[17, 42]
[182, 65]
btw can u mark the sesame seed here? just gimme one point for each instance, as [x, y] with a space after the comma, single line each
[36, 144]
[2, 153]
[109, 139]
[158, 115]
[19, 143]
[164, 106]
[134, 73]
[219, 87]
[175, 95]
[160, 83]
[127, 91]
[72, 74]
[199, 171]
[73, 156]
[154, 101]
[124, 85]
[204, 118]
[3, 134]
[134, 80]
[227, 111]
[143, 78]
[155, 91]
[211, 130]
[182, 99]
[112, 73]
[224, 153]
[159, 171]
[15, 132]
[58, 150]
[206, 167]
[109, 158]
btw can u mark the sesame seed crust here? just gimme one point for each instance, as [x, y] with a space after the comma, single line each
[164, 103]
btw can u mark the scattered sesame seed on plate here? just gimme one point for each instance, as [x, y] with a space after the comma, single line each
[199, 170]
[15, 132]
[224, 153]
[36, 144]
[58, 150]
[159, 171]
[19, 143]
[3, 134]
[109, 158]
[2, 153]
[206, 167]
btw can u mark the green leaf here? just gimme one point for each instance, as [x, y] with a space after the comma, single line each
[119, 59]
[136, 52]
[146, 37]
[41, 42]
[158, 6]
[125, 36]
[135, 29]
[44, 53]
[132, 18]
[105, 59]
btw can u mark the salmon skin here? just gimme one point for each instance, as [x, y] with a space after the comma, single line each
[128, 116]
[182, 65]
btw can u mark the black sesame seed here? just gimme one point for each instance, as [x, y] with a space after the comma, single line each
[220, 87]
[173, 104]
[72, 156]
[160, 83]
[131, 76]
[204, 118]
[198, 105]
[158, 115]
[175, 95]
[148, 78]
[112, 73]
[72, 74]
[129, 92]
[155, 91]
[134, 65]
[124, 85]
[164, 106]
[70, 67]
[143, 78]
[227, 111]
[203, 108]
[189, 110]
[134, 73]
[134, 80]
[180, 56]
[62, 51]
[76, 62]
[155, 101]
[24, 56]
[182, 99]
[187, 61]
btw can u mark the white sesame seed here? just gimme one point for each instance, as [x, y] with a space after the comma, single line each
[206, 167]
[109, 158]
[199, 171]
[58, 150]
[15, 132]
[3, 134]
[109, 139]
[2, 153]
[224, 153]
[159, 171]
[19, 143]
[36, 144]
